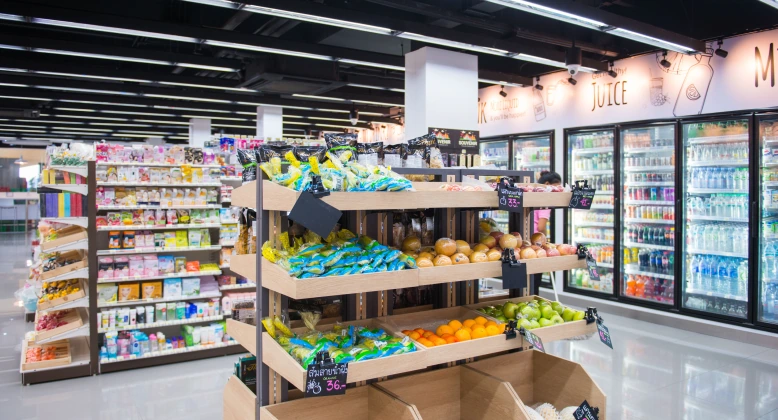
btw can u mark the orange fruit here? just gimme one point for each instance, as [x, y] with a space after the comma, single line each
[501, 328]
[468, 329]
[451, 339]
[427, 334]
[414, 335]
[420, 331]
[479, 333]
[445, 336]
[492, 330]
[469, 322]
[432, 337]
[426, 343]
[455, 325]
[406, 332]
[444, 329]
[462, 335]
[488, 323]
[439, 341]
[481, 320]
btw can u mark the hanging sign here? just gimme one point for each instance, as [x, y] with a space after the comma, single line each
[514, 272]
[591, 265]
[583, 196]
[586, 412]
[605, 335]
[315, 214]
[325, 377]
[533, 340]
[509, 197]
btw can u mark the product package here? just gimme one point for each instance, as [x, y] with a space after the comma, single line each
[248, 159]
[128, 239]
[179, 264]
[393, 155]
[193, 266]
[114, 240]
[195, 237]
[181, 239]
[190, 286]
[107, 293]
[340, 144]
[172, 288]
[369, 153]
[150, 266]
[152, 289]
[121, 267]
[170, 240]
[129, 291]
[105, 268]
[136, 266]
[166, 264]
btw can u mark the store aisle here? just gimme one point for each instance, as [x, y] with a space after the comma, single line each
[653, 372]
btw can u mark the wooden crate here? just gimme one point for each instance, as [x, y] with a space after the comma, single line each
[76, 317]
[547, 334]
[430, 320]
[64, 299]
[542, 378]
[361, 403]
[277, 359]
[81, 263]
[245, 265]
[62, 356]
[65, 236]
[437, 275]
[239, 402]
[457, 393]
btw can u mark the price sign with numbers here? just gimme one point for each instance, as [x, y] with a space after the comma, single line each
[510, 198]
[582, 198]
[605, 335]
[533, 340]
[326, 378]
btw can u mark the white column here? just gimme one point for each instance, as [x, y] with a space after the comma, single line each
[270, 123]
[441, 90]
[199, 131]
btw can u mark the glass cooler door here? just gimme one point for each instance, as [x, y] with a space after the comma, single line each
[715, 211]
[591, 158]
[648, 213]
[532, 154]
[767, 306]
[495, 152]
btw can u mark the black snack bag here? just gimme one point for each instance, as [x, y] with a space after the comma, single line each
[370, 153]
[302, 153]
[428, 140]
[393, 155]
[247, 158]
[339, 144]
[414, 156]
[267, 152]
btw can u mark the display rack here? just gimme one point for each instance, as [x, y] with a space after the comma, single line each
[367, 296]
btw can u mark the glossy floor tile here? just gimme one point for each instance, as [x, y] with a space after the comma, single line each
[653, 372]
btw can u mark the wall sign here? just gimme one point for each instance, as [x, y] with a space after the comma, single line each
[457, 139]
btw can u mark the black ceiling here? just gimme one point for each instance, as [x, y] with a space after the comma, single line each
[188, 70]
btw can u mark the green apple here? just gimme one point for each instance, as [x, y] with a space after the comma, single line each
[579, 315]
[568, 314]
[556, 319]
[535, 324]
[544, 303]
[501, 318]
[558, 307]
[545, 322]
[510, 309]
[526, 323]
[531, 312]
[547, 311]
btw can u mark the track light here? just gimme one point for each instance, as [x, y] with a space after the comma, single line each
[611, 72]
[720, 51]
[666, 64]
[538, 86]
[571, 81]
[353, 116]
[503, 93]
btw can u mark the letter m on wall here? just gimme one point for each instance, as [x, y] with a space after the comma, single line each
[764, 67]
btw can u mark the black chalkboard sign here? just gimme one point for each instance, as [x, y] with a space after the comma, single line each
[514, 272]
[510, 198]
[605, 335]
[586, 412]
[591, 265]
[533, 340]
[326, 377]
[315, 214]
[582, 198]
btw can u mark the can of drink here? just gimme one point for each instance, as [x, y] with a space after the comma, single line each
[653, 193]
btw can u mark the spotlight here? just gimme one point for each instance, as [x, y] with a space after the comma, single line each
[353, 116]
[721, 52]
[503, 93]
[611, 72]
[666, 64]
[572, 81]
[538, 86]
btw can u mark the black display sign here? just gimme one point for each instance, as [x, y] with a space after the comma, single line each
[586, 412]
[510, 198]
[315, 214]
[605, 335]
[591, 265]
[582, 198]
[325, 377]
[458, 139]
[514, 272]
[533, 340]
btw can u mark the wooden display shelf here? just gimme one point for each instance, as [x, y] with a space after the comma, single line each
[538, 377]
[547, 334]
[276, 278]
[245, 265]
[361, 403]
[472, 271]
[277, 359]
[239, 402]
[430, 320]
[66, 236]
[75, 318]
[244, 334]
[74, 254]
[62, 356]
[42, 306]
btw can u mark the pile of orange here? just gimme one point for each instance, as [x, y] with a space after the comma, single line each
[455, 331]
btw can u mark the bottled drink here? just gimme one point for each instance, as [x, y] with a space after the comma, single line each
[722, 276]
[695, 275]
[732, 268]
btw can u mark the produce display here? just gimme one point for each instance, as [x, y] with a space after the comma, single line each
[51, 320]
[546, 411]
[538, 313]
[39, 354]
[340, 254]
[344, 343]
[57, 260]
[455, 331]
[58, 289]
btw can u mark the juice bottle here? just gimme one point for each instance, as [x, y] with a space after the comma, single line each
[630, 291]
[640, 287]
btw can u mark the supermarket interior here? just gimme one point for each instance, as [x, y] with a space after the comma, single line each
[389, 209]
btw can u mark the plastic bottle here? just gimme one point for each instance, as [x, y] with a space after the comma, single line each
[768, 263]
[693, 270]
[732, 268]
[648, 288]
[153, 343]
[722, 276]
[705, 273]
[640, 285]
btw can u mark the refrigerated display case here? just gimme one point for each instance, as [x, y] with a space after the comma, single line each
[648, 213]
[496, 151]
[532, 153]
[590, 157]
[767, 278]
[716, 217]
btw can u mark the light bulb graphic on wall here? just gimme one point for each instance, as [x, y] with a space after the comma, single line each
[691, 96]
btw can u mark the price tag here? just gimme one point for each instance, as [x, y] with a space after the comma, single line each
[586, 412]
[326, 377]
[315, 214]
[605, 335]
[583, 196]
[514, 272]
[591, 265]
[533, 340]
[510, 198]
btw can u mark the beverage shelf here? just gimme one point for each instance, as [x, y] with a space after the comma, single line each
[599, 207]
[702, 292]
[603, 192]
[649, 184]
[648, 246]
[716, 163]
[606, 265]
[592, 241]
[644, 271]
[719, 139]
[649, 168]
[157, 227]
[715, 191]
[595, 224]
[651, 221]
[577, 172]
[650, 202]
[719, 253]
[157, 250]
[650, 149]
[592, 150]
[717, 219]
[534, 164]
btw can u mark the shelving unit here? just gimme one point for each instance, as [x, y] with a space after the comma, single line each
[366, 295]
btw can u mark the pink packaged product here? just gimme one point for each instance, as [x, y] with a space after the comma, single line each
[149, 238]
[137, 268]
[150, 265]
[140, 240]
[105, 268]
[121, 267]
[102, 151]
[159, 216]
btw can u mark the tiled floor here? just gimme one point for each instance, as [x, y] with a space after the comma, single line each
[654, 372]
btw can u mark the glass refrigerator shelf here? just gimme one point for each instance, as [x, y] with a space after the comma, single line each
[649, 168]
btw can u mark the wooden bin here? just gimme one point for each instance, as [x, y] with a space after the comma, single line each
[547, 334]
[457, 393]
[542, 378]
[276, 358]
[360, 403]
[62, 355]
[81, 262]
[75, 318]
[430, 320]
[65, 299]
[445, 274]
[65, 236]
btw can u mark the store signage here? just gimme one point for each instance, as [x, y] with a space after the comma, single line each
[454, 138]
[582, 198]
[533, 340]
[315, 214]
[509, 198]
[605, 335]
[591, 265]
[586, 412]
[609, 92]
[514, 272]
[325, 377]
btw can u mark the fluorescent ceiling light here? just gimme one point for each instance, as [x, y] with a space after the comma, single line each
[112, 30]
[16, 18]
[104, 103]
[28, 98]
[326, 98]
[338, 126]
[377, 103]
[80, 129]
[133, 113]
[207, 86]
[204, 67]
[296, 123]
[161, 133]
[370, 64]
[89, 117]
[317, 19]
[234, 126]
[297, 135]
[377, 114]
[87, 76]
[540, 60]
[215, 118]
[14, 85]
[103, 56]
[187, 98]
[645, 39]
[132, 135]
[179, 137]
[104, 133]
[339, 111]
[163, 122]
[12, 47]
[25, 131]
[75, 109]
[69, 89]
[773, 3]
[453, 44]
[375, 87]
[19, 125]
[48, 121]
[121, 125]
[188, 109]
[257, 48]
[321, 118]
